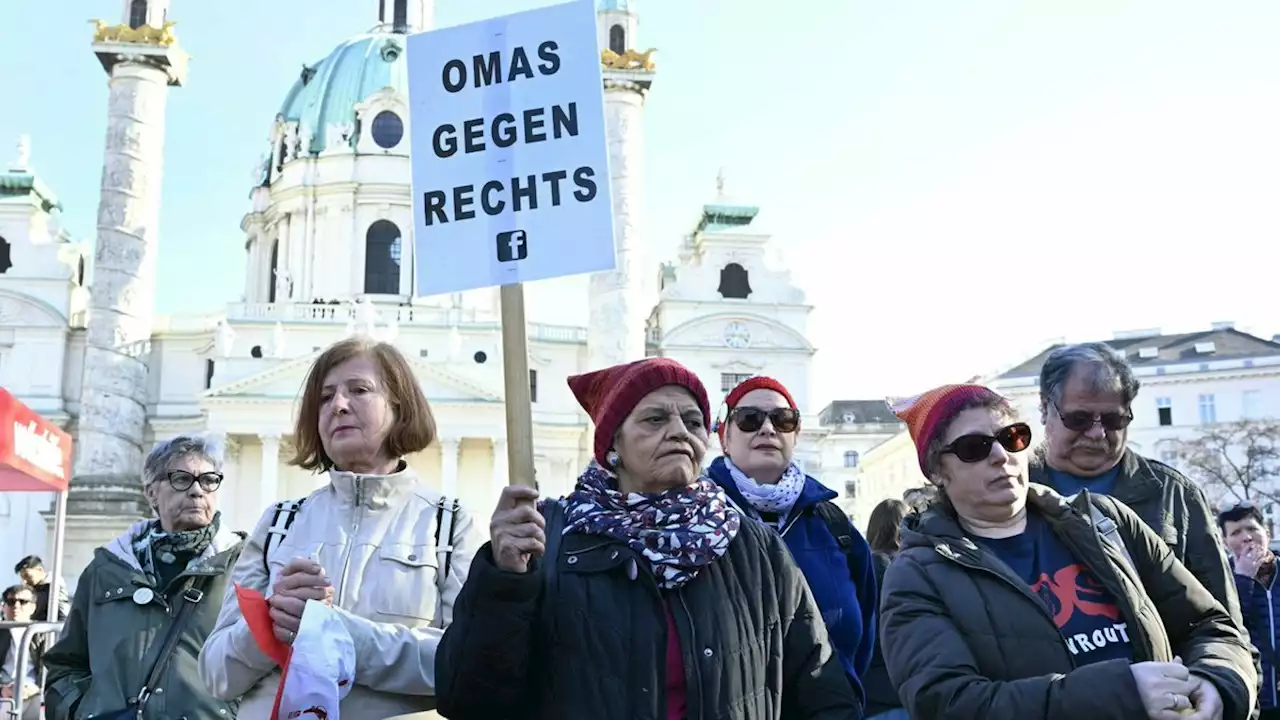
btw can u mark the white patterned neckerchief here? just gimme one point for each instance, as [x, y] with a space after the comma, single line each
[777, 498]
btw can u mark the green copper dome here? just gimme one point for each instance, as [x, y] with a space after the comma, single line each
[328, 91]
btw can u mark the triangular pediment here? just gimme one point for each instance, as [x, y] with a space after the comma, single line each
[284, 381]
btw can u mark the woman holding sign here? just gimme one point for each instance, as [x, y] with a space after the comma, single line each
[387, 553]
[641, 594]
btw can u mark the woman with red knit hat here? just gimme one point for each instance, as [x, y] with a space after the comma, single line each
[642, 593]
[759, 473]
[1009, 601]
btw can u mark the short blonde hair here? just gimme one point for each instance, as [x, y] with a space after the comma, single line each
[414, 427]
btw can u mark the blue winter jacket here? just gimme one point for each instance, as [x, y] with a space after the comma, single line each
[1260, 606]
[848, 604]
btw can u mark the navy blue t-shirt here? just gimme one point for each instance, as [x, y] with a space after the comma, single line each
[1068, 484]
[1085, 613]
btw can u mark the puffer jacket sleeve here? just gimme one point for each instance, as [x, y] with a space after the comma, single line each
[231, 663]
[397, 659]
[484, 665]
[814, 683]
[936, 674]
[1201, 631]
[868, 601]
[67, 662]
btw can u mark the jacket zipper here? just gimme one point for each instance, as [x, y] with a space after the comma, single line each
[692, 709]
[355, 529]
[1271, 624]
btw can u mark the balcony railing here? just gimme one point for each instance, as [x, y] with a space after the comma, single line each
[404, 315]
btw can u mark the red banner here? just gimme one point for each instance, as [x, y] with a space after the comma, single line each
[35, 454]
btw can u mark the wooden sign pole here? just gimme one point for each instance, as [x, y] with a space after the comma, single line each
[515, 367]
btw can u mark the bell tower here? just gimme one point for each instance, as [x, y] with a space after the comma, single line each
[619, 304]
[142, 59]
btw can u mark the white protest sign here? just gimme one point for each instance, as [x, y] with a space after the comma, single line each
[510, 164]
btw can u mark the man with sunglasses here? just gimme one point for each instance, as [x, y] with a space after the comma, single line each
[760, 476]
[20, 606]
[1086, 405]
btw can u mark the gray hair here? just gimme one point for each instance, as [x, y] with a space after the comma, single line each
[1104, 369]
[156, 465]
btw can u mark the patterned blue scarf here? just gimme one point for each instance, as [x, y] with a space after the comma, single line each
[679, 531]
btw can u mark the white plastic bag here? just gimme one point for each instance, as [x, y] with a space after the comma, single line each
[321, 668]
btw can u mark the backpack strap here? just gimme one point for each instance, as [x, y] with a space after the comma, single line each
[841, 528]
[446, 513]
[281, 521]
[1109, 532]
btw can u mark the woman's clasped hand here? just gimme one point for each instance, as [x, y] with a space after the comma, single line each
[1170, 692]
[301, 580]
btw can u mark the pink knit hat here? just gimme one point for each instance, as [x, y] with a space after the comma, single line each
[924, 413]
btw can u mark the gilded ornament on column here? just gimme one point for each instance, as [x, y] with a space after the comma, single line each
[629, 60]
[145, 35]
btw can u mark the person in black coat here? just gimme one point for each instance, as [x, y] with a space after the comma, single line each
[643, 594]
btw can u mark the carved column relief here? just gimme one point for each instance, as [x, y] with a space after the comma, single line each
[618, 307]
[112, 418]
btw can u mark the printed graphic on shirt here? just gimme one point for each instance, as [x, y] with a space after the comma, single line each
[1085, 613]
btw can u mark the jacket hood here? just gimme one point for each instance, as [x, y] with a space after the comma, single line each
[122, 546]
[813, 492]
[937, 525]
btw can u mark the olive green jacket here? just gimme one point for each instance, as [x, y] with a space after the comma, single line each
[118, 620]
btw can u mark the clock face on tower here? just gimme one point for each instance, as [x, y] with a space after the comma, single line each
[736, 335]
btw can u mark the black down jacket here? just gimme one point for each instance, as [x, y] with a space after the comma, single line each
[588, 641]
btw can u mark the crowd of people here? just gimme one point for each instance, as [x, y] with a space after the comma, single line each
[1058, 578]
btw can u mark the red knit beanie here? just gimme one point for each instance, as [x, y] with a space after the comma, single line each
[925, 413]
[609, 395]
[759, 382]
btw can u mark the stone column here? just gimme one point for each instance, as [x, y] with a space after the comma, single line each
[449, 450]
[269, 482]
[113, 395]
[618, 305]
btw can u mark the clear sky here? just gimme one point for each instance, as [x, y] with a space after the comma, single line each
[953, 184]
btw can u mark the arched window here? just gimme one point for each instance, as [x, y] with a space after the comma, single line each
[271, 277]
[137, 13]
[400, 20]
[80, 271]
[6, 258]
[617, 39]
[382, 259]
[851, 459]
[734, 283]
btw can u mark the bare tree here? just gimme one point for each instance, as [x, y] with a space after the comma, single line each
[1238, 460]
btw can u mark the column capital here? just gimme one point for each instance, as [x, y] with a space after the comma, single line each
[449, 443]
[269, 437]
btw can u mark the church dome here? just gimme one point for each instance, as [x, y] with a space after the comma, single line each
[325, 96]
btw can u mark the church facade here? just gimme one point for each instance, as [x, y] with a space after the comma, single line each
[329, 253]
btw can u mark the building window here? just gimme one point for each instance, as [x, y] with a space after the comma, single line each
[533, 386]
[1164, 408]
[481, 357]
[617, 39]
[400, 16]
[6, 260]
[388, 129]
[1208, 413]
[734, 283]
[137, 13]
[208, 374]
[382, 259]
[851, 459]
[729, 381]
[1251, 405]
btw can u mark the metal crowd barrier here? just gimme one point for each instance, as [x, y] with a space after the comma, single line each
[20, 665]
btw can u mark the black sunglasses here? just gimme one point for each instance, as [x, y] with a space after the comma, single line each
[976, 447]
[1083, 420]
[751, 419]
[11, 601]
[181, 480]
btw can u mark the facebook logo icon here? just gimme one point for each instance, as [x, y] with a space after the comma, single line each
[512, 246]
